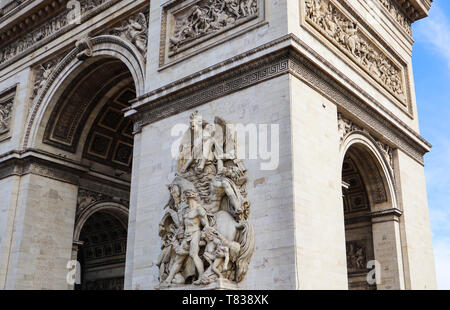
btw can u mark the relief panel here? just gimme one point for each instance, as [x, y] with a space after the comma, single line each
[345, 34]
[192, 25]
[6, 110]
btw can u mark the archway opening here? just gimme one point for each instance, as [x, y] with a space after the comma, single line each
[372, 231]
[86, 123]
[102, 252]
[358, 225]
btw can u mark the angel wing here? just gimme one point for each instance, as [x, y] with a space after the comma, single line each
[226, 136]
[185, 152]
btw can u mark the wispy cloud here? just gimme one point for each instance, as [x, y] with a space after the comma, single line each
[435, 32]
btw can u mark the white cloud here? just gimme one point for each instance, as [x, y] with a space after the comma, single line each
[434, 30]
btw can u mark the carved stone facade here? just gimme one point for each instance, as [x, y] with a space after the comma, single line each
[53, 27]
[190, 25]
[42, 74]
[348, 35]
[208, 18]
[6, 109]
[206, 235]
[346, 126]
[134, 30]
[96, 97]
[397, 13]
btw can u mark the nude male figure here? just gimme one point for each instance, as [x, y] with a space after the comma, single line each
[194, 218]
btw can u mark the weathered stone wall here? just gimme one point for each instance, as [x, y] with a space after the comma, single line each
[269, 192]
[319, 215]
[415, 225]
[8, 208]
[43, 234]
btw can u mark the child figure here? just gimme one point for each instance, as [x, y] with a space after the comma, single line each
[217, 251]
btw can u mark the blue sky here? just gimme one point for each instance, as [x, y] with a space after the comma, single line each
[431, 61]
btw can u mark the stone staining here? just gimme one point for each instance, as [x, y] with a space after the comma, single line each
[397, 14]
[134, 30]
[51, 27]
[207, 18]
[346, 35]
[206, 235]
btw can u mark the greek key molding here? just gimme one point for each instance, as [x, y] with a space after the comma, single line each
[226, 84]
[340, 28]
[285, 61]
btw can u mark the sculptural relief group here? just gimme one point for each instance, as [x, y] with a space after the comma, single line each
[347, 36]
[206, 235]
[210, 17]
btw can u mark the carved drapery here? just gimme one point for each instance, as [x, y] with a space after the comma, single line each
[347, 35]
[206, 235]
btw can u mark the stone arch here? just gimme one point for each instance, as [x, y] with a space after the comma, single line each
[377, 172]
[117, 210]
[99, 246]
[372, 232]
[104, 46]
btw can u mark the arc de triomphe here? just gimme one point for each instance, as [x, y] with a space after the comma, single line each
[239, 144]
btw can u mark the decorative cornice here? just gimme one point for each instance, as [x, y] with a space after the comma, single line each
[227, 83]
[342, 30]
[392, 214]
[58, 65]
[49, 31]
[11, 6]
[349, 102]
[415, 9]
[6, 110]
[392, 7]
[284, 61]
[21, 163]
[347, 127]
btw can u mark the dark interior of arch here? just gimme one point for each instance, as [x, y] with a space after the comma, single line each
[105, 81]
[358, 225]
[102, 256]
